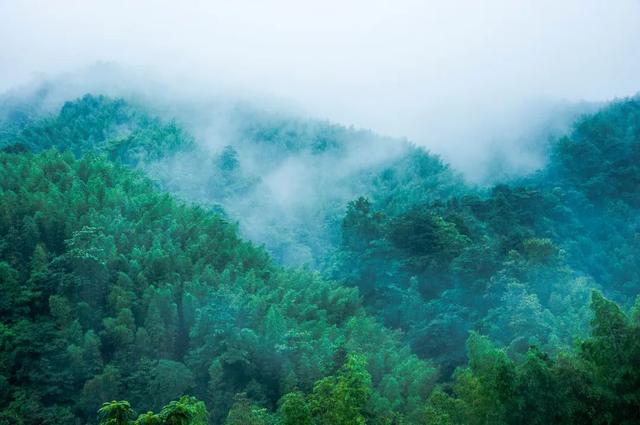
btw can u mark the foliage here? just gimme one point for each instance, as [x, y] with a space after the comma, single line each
[113, 289]
[597, 384]
[115, 413]
[184, 411]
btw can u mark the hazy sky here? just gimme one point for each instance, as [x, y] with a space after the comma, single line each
[437, 72]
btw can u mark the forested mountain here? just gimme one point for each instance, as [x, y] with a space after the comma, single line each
[286, 180]
[432, 301]
[516, 263]
[114, 290]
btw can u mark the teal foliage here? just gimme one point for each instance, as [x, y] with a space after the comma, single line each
[433, 301]
[98, 124]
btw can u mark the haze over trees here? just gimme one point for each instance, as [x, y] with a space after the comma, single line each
[378, 287]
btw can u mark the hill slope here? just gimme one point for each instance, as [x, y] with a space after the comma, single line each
[516, 263]
[285, 180]
[112, 289]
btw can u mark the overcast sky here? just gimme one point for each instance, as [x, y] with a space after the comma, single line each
[436, 71]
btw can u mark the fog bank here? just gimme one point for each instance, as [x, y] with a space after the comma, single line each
[466, 79]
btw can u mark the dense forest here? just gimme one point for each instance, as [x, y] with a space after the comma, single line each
[301, 272]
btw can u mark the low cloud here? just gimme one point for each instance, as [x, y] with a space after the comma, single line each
[466, 79]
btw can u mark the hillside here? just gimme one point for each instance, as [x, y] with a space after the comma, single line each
[285, 180]
[432, 301]
[112, 288]
[517, 263]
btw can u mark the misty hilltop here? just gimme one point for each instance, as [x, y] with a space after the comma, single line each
[286, 180]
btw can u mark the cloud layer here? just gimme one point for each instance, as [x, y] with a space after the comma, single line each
[460, 77]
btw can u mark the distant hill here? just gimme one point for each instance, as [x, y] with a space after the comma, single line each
[285, 180]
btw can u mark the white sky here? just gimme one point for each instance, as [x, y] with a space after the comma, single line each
[448, 74]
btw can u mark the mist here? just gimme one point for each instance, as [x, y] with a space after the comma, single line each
[468, 80]
[483, 85]
[280, 212]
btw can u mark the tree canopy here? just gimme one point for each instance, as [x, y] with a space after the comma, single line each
[126, 274]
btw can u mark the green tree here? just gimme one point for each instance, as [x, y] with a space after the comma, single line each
[170, 379]
[341, 399]
[294, 409]
[244, 412]
[115, 413]
[149, 418]
[185, 411]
